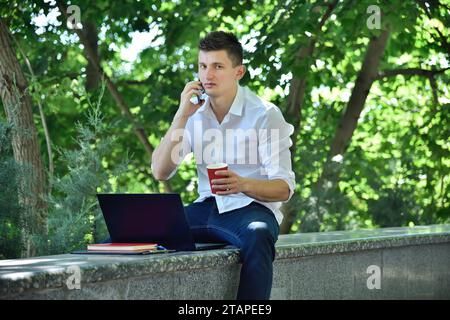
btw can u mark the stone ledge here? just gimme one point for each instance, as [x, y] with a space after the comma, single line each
[51, 272]
[315, 243]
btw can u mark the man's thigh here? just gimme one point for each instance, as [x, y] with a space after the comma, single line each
[197, 213]
[240, 221]
[197, 216]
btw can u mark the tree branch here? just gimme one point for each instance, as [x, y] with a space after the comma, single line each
[443, 39]
[134, 82]
[409, 72]
[434, 89]
[92, 57]
[430, 74]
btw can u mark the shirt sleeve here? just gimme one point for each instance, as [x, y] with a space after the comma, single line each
[183, 148]
[273, 148]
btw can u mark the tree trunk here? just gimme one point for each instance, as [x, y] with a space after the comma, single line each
[51, 168]
[294, 113]
[295, 102]
[366, 76]
[92, 76]
[347, 125]
[18, 109]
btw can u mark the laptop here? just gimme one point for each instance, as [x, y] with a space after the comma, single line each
[154, 218]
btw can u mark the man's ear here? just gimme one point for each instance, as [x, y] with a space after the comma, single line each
[240, 72]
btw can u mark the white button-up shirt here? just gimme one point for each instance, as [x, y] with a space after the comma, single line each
[253, 139]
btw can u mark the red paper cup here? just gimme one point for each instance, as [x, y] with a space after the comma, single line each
[212, 168]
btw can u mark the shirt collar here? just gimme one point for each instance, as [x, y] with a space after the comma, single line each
[236, 106]
[238, 102]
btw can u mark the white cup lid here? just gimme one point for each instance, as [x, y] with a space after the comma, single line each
[216, 166]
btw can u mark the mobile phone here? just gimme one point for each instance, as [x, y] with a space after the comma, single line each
[195, 99]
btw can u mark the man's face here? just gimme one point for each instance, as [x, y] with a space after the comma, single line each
[216, 72]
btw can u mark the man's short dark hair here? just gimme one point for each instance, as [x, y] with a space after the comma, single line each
[220, 40]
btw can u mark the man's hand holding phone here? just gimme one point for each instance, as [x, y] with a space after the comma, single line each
[189, 106]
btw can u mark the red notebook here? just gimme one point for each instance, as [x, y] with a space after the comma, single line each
[122, 247]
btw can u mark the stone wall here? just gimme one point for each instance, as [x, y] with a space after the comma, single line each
[390, 263]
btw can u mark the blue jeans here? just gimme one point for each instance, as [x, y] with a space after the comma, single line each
[253, 229]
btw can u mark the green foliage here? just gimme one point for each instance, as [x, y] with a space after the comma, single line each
[75, 218]
[395, 172]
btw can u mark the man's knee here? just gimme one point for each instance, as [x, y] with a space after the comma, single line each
[258, 242]
[259, 231]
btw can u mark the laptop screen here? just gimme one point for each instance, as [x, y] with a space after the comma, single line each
[156, 218]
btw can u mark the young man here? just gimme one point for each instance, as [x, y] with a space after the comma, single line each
[245, 209]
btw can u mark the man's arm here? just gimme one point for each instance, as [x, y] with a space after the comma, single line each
[162, 163]
[266, 190]
[262, 190]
